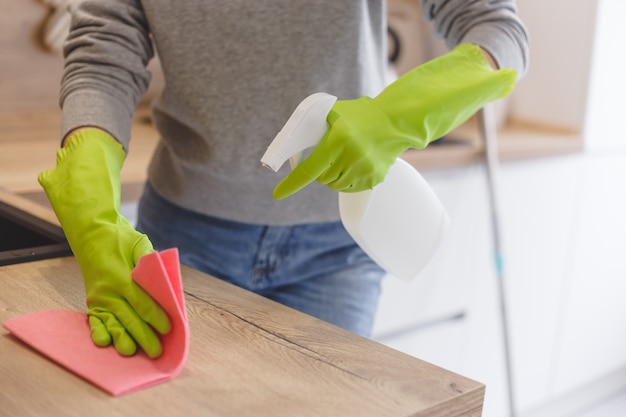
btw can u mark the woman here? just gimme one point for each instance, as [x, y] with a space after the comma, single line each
[234, 71]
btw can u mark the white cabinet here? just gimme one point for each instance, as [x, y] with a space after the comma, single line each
[539, 215]
[565, 234]
[592, 332]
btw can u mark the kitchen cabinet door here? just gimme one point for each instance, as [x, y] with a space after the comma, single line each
[592, 337]
[539, 200]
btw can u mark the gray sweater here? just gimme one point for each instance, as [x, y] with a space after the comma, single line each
[234, 72]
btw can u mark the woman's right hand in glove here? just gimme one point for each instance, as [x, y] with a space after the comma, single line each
[84, 190]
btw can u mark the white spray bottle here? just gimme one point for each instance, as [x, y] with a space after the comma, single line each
[399, 223]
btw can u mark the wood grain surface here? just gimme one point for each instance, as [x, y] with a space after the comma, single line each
[249, 356]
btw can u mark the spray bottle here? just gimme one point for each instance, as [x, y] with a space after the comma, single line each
[400, 223]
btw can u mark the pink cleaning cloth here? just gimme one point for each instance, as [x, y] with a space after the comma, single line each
[64, 335]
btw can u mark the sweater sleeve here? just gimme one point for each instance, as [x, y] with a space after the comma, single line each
[105, 75]
[492, 24]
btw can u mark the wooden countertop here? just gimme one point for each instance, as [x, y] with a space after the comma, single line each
[249, 356]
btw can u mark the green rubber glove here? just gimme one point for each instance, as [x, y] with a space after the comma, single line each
[84, 190]
[365, 136]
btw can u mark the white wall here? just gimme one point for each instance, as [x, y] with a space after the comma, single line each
[607, 94]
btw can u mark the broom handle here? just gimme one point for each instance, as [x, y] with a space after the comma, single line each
[488, 132]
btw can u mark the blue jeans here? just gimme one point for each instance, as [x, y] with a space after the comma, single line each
[315, 268]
